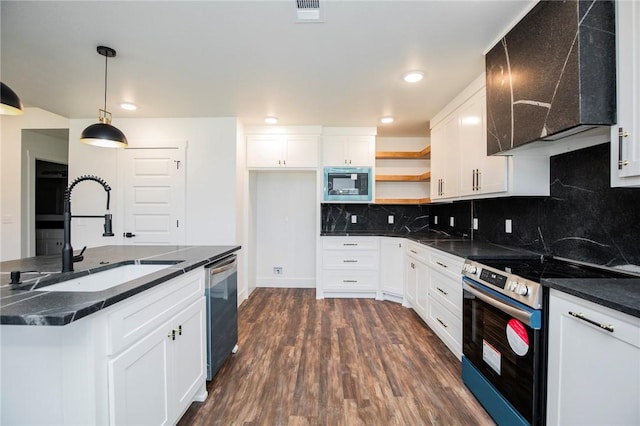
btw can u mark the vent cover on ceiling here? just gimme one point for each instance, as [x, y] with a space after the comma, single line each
[309, 10]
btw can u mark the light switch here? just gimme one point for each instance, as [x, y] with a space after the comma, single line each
[390, 219]
[507, 226]
[354, 218]
[475, 223]
[451, 221]
[435, 220]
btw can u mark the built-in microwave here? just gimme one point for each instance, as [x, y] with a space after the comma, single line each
[348, 184]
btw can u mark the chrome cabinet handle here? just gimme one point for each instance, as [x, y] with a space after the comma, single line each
[621, 135]
[580, 315]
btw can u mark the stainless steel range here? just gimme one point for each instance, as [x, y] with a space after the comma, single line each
[504, 333]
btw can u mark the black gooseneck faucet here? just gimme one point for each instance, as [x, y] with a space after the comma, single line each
[67, 250]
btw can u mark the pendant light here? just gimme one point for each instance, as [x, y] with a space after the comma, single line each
[103, 133]
[10, 103]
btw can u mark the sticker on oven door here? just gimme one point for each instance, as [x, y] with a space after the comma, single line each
[517, 337]
[491, 356]
[354, 176]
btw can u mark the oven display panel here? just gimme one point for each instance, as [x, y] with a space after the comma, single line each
[493, 278]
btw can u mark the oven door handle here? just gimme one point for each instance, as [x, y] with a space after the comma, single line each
[520, 314]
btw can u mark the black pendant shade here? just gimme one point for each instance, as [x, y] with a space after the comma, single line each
[103, 134]
[10, 102]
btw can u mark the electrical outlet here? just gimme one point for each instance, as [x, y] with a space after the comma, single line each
[435, 220]
[451, 221]
[507, 226]
[475, 223]
[390, 219]
[354, 218]
[277, 270]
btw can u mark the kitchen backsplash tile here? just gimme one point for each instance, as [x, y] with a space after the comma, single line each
[583, 219]
[337, 218]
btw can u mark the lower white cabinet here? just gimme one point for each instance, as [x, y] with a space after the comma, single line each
[153, 381]
[140, 361]
[417, 278]
[392, 253]
[594, 364]
[350, 267]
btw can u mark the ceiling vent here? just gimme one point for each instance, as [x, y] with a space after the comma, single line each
[309, 11]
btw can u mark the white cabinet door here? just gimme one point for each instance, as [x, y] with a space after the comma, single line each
[445, 159]
[348, 150]
[301, 151]
[593, 373]
[189, 352]
[411, 277]
[139, 382]
[479, 173]
[422, 289]
[392, 265]
[265, 150]
[625, 148]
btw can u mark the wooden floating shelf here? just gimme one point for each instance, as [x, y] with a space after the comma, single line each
[425, 177]
[403, 200]
[425, 154]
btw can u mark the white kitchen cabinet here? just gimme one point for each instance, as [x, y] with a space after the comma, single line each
[444, 311]
[479, 172]
[460, 167]
[625, 136]
[594, 364]
[348, 150]
[392, 253]
[153, 381]
[350, 267]
[277, 151]
[117, 366]
[417, 276]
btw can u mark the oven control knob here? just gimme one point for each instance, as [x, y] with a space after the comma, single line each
[473, 269]
[522, 289]
[513, 285]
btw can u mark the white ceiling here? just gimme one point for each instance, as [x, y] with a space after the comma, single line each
[249, 59]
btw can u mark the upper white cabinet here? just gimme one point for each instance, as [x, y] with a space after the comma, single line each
[345, 147]
[275, 151]
[460, 166]
[625, 137]
[594, 364]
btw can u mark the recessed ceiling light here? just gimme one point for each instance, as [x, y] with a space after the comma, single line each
[128, 106]
[413, 76]
[387, 120]
[271, 120]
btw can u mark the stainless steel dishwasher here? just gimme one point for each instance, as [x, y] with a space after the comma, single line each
[222, 312]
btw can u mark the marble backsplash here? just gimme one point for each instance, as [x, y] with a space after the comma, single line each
[374, 218]
[583, 219]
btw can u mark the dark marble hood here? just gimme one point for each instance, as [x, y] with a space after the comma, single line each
[552, 75]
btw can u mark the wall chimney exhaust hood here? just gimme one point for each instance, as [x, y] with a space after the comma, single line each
[552, 75]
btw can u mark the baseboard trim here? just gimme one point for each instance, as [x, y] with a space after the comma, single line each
[286, 282]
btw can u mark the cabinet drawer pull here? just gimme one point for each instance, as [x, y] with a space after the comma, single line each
[621, 135]
[349, 281]
[580, 315]
[442, 322]
[179, 330]
[413, 266]
[350, 244]
[442, 264]
[172, 335]
[413, 251]
[349, 261]
[442, 291]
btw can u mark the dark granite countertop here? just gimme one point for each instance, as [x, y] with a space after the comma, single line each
[31, 304]
[620, 294]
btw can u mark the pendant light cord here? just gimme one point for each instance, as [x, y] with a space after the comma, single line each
[106, 59]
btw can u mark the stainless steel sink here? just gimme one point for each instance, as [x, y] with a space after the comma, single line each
[104, 280]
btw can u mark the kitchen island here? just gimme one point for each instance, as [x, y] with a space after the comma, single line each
[133, 353]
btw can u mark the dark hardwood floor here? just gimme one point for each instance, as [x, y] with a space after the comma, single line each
[304, 361]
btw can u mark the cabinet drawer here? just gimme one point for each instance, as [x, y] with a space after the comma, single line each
[447, 291]
[130, 322]
[350, 280]
[446, 263]
[351, 243]
[417, 251]
[350, 259]
[446, 325]
[625, 327]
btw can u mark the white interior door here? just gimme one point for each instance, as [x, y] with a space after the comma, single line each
[153, 185]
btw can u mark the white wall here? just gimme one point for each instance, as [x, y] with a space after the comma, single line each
[211, 164]
[285, 225]
[11, 214]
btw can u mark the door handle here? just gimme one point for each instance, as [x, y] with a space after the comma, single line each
[128, 235]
